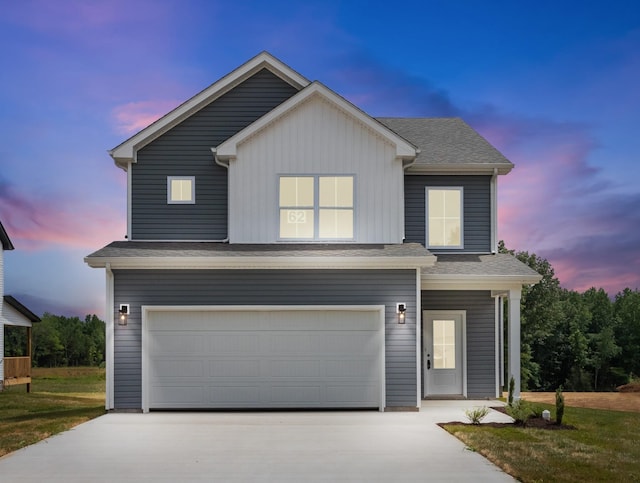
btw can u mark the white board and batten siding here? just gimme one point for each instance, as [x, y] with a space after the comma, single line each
[316, 138]
[263, 357]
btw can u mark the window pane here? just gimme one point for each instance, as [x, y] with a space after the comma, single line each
[336, 224]
[296, 191]
[444, 344]
[451, 203]
[296, 223]
[181, 190]
[336, 191]
[452, 232]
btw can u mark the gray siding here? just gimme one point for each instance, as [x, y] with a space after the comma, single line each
[267, 287]
[185, 150]
[477, 209]
[480, 307]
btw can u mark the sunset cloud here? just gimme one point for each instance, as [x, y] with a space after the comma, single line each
[135, 116]
[36, 222]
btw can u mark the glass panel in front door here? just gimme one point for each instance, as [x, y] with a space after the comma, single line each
[444, 344]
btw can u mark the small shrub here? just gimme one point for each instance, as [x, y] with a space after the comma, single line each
[512, 386]
[559, 405]
[520, 411]
[476, 415]
[536, 410]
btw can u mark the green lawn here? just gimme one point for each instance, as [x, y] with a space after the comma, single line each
[604, 447]
[60, 398]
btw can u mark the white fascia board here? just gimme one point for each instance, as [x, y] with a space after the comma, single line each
[495, 283]
[244, 263]
[470, 168]
[228, 149]
[126, 152]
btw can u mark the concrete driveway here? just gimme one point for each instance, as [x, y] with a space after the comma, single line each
[266, 446]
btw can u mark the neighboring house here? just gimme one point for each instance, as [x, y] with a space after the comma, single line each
[13, 370]
[287, 250]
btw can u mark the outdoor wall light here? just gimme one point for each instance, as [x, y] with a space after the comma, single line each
[401, 308]
[123, 314]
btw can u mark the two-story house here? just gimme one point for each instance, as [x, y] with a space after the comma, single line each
[15, 369]
[287, 250]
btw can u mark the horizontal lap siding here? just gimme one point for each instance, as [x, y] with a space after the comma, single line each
[264, 287]
[477, 209]
[185, 150]
[480, 307]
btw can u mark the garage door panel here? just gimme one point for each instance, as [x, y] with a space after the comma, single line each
[269, 359]
[233, 368]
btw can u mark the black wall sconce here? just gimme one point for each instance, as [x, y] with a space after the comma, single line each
[401, 308]
[123, 314]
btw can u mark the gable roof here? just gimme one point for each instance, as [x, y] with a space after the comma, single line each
[13, 302]
[125, 152]
[227, 150]
[4, 239]
[446, 145]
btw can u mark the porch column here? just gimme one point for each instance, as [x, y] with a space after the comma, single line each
[514, 340]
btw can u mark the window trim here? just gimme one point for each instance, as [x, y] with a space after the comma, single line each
[460, 190]
[316, 207]
[191, 201]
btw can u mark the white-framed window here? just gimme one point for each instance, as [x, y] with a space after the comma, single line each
[316, 207]
[181, 190]
[444, 217]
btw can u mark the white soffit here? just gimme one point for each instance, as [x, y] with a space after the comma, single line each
[126, 152]
[227, 150]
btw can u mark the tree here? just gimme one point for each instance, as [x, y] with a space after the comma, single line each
[627, 331]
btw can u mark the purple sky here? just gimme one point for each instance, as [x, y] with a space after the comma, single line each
[553, 85]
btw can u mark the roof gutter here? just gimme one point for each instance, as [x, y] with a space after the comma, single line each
[407, 164]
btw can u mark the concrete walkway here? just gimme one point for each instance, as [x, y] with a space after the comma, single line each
[267, 446]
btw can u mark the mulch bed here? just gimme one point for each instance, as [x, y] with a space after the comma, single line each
[536, 423]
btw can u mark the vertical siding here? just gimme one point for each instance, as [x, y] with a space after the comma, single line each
[480, 307]
[267, 287]
[476, 209]
[185, 150]
[316, 137]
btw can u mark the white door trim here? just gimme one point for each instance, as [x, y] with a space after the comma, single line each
[444, 313]
[146, 309]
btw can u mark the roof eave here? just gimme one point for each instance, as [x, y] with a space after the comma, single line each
[257, 262]
[471, 168]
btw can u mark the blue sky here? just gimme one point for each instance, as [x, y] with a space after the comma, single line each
[553, 85]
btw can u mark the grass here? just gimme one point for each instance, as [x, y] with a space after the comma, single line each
[604, 447]
[60, 399]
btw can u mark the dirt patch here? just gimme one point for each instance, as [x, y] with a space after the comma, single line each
[615, 401]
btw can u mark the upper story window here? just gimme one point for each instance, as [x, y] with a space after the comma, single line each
[444, 217]
[181, 189]
[316, 207]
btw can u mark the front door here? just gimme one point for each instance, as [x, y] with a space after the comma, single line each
[444, 353]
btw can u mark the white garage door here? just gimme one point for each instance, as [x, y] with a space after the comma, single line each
[263, 359]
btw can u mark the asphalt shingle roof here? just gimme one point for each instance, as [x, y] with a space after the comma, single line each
[499, 264]
[446, 142]
[133, 249]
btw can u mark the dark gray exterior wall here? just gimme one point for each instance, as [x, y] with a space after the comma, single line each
[480, 307]
[476, 209]
[267, 287]
[185, 150]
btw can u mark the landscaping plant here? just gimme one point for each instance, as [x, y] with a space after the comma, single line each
[476, 415]
[559, 405]
[512, 385]
[520, 411]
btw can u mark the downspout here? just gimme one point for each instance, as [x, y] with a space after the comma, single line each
[494, 211]
[109, 340]
[226, 166]
[406, 165]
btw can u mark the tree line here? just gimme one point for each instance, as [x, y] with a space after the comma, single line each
[581, 341]
[60, 341]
